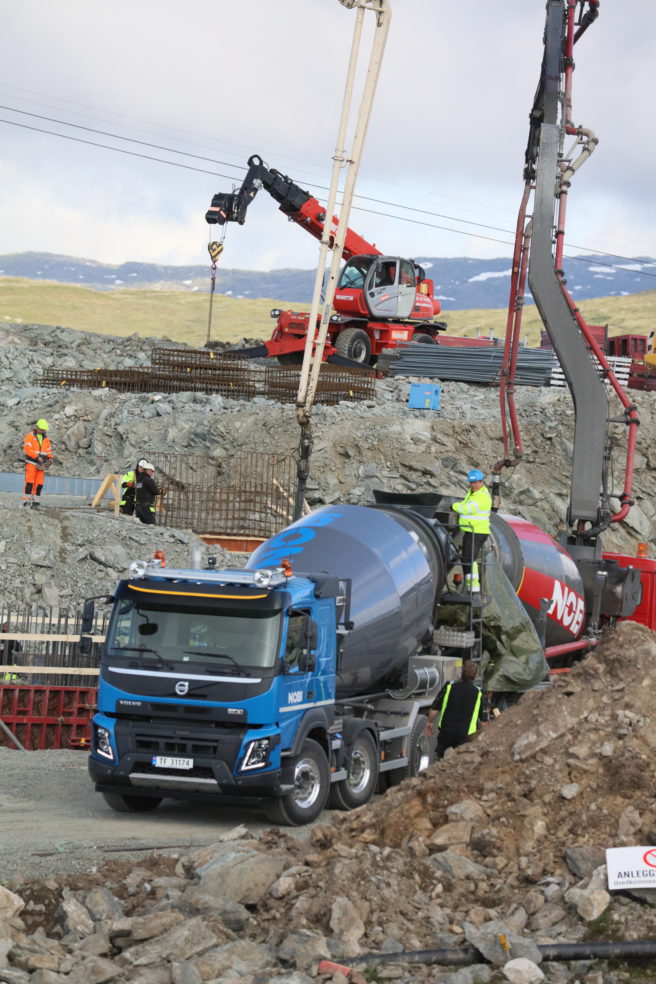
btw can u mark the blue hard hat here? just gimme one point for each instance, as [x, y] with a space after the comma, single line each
[476, 475]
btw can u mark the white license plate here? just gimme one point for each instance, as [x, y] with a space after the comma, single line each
[168, 762]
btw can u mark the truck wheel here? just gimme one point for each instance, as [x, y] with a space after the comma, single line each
[424, 338]
[311, 786]
[291, 359]
[131, 804]
[353, 343]
[420, 753]
[362, 779]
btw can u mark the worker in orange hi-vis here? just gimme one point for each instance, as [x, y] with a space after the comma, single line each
[38, 457]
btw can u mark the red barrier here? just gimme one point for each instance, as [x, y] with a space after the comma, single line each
[47, 717]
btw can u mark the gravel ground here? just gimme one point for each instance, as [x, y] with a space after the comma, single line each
[52, 822]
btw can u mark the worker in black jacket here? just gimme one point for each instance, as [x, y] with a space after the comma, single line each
[457, 708]
[146, 491]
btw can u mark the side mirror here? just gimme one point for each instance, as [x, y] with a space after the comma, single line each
[86, 645]
[308, 661]
[88, 613]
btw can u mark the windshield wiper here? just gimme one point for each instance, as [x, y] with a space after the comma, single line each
[205, 652]
[145, 649]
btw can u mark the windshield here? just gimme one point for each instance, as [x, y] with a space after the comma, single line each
[355, 271]
[224, 638]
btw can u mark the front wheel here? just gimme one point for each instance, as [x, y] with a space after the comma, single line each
[123, 803]
[353, 343]
[419, 753]
[362, 776]
[311, 785]
[424, 338]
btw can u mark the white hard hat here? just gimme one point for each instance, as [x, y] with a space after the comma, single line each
[142, 463]
[148, 467]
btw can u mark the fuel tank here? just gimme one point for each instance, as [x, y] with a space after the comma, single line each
[538, 568]
[395, 560]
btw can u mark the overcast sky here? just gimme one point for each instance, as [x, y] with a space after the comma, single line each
[224, 80]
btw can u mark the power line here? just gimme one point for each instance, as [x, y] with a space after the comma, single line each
[388, 215]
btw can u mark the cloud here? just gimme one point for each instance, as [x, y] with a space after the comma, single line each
[444, 148]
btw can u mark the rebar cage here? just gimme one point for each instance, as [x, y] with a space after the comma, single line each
[246, 494]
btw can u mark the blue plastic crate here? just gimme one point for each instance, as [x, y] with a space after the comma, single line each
[424, 396]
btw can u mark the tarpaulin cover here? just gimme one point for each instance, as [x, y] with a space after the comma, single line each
[513, 659]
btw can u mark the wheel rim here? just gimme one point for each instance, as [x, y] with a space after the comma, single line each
[422, 754]
[359, 770]
[359, 350]
[307, 783]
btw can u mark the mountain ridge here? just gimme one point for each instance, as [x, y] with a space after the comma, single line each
[461, 283]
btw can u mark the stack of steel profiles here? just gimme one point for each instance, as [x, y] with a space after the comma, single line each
[334, 384]
[247, 494]
[181, 360]
[471, 365]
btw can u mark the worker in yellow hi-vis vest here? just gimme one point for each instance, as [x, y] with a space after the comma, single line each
[474, 520]
[458, 708]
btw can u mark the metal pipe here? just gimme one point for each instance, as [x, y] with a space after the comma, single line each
[460, 957]
[11, 736]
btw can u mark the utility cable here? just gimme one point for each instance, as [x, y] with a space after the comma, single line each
[359, 208]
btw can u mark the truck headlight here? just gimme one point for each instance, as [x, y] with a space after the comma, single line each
[257, 754]
[104, 744]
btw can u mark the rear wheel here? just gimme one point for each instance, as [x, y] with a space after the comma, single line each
[311, 785]
[362, 779]
[424, 338]
[123, 803]
[419, 753]
[353, 343]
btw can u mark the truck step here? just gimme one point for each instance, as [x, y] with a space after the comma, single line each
[460, 638]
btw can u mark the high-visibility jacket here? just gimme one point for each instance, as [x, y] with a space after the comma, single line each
[127, 488]
[474, 511]
[463, 717]
[36, 445]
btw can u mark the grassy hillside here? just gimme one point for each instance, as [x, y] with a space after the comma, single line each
[182, 316]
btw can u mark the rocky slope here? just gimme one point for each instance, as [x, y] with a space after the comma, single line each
[505, 836]
[358, 447]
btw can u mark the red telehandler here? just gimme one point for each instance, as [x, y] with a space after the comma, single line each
[380, 301]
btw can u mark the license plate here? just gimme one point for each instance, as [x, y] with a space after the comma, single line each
[168, 762]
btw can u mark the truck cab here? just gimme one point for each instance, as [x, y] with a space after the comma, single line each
[206, 681]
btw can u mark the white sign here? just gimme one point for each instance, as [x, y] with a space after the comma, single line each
[631, 867]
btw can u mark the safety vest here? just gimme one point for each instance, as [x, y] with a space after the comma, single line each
[474, 511]
[9, 677]
[127, 482]
[474, 718]
[35, 445]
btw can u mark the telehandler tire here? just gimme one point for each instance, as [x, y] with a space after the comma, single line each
[362, 779]
[353, 343]
[310, 793]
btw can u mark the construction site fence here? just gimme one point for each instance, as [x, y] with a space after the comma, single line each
[48, 688]
[49, 640]
[203, 371]
[250, 494]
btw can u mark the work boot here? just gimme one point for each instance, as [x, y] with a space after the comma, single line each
[27, 503]
[35, 505]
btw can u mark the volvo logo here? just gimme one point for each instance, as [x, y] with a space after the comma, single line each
[182, 687]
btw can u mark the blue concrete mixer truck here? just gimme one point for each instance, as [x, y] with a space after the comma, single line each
[304, 679]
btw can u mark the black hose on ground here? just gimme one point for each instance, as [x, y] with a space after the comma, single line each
[462, 956]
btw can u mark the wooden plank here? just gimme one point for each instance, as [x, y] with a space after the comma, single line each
[51, 670]
[45, 637]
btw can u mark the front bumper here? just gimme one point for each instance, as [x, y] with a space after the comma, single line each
[134, 773]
